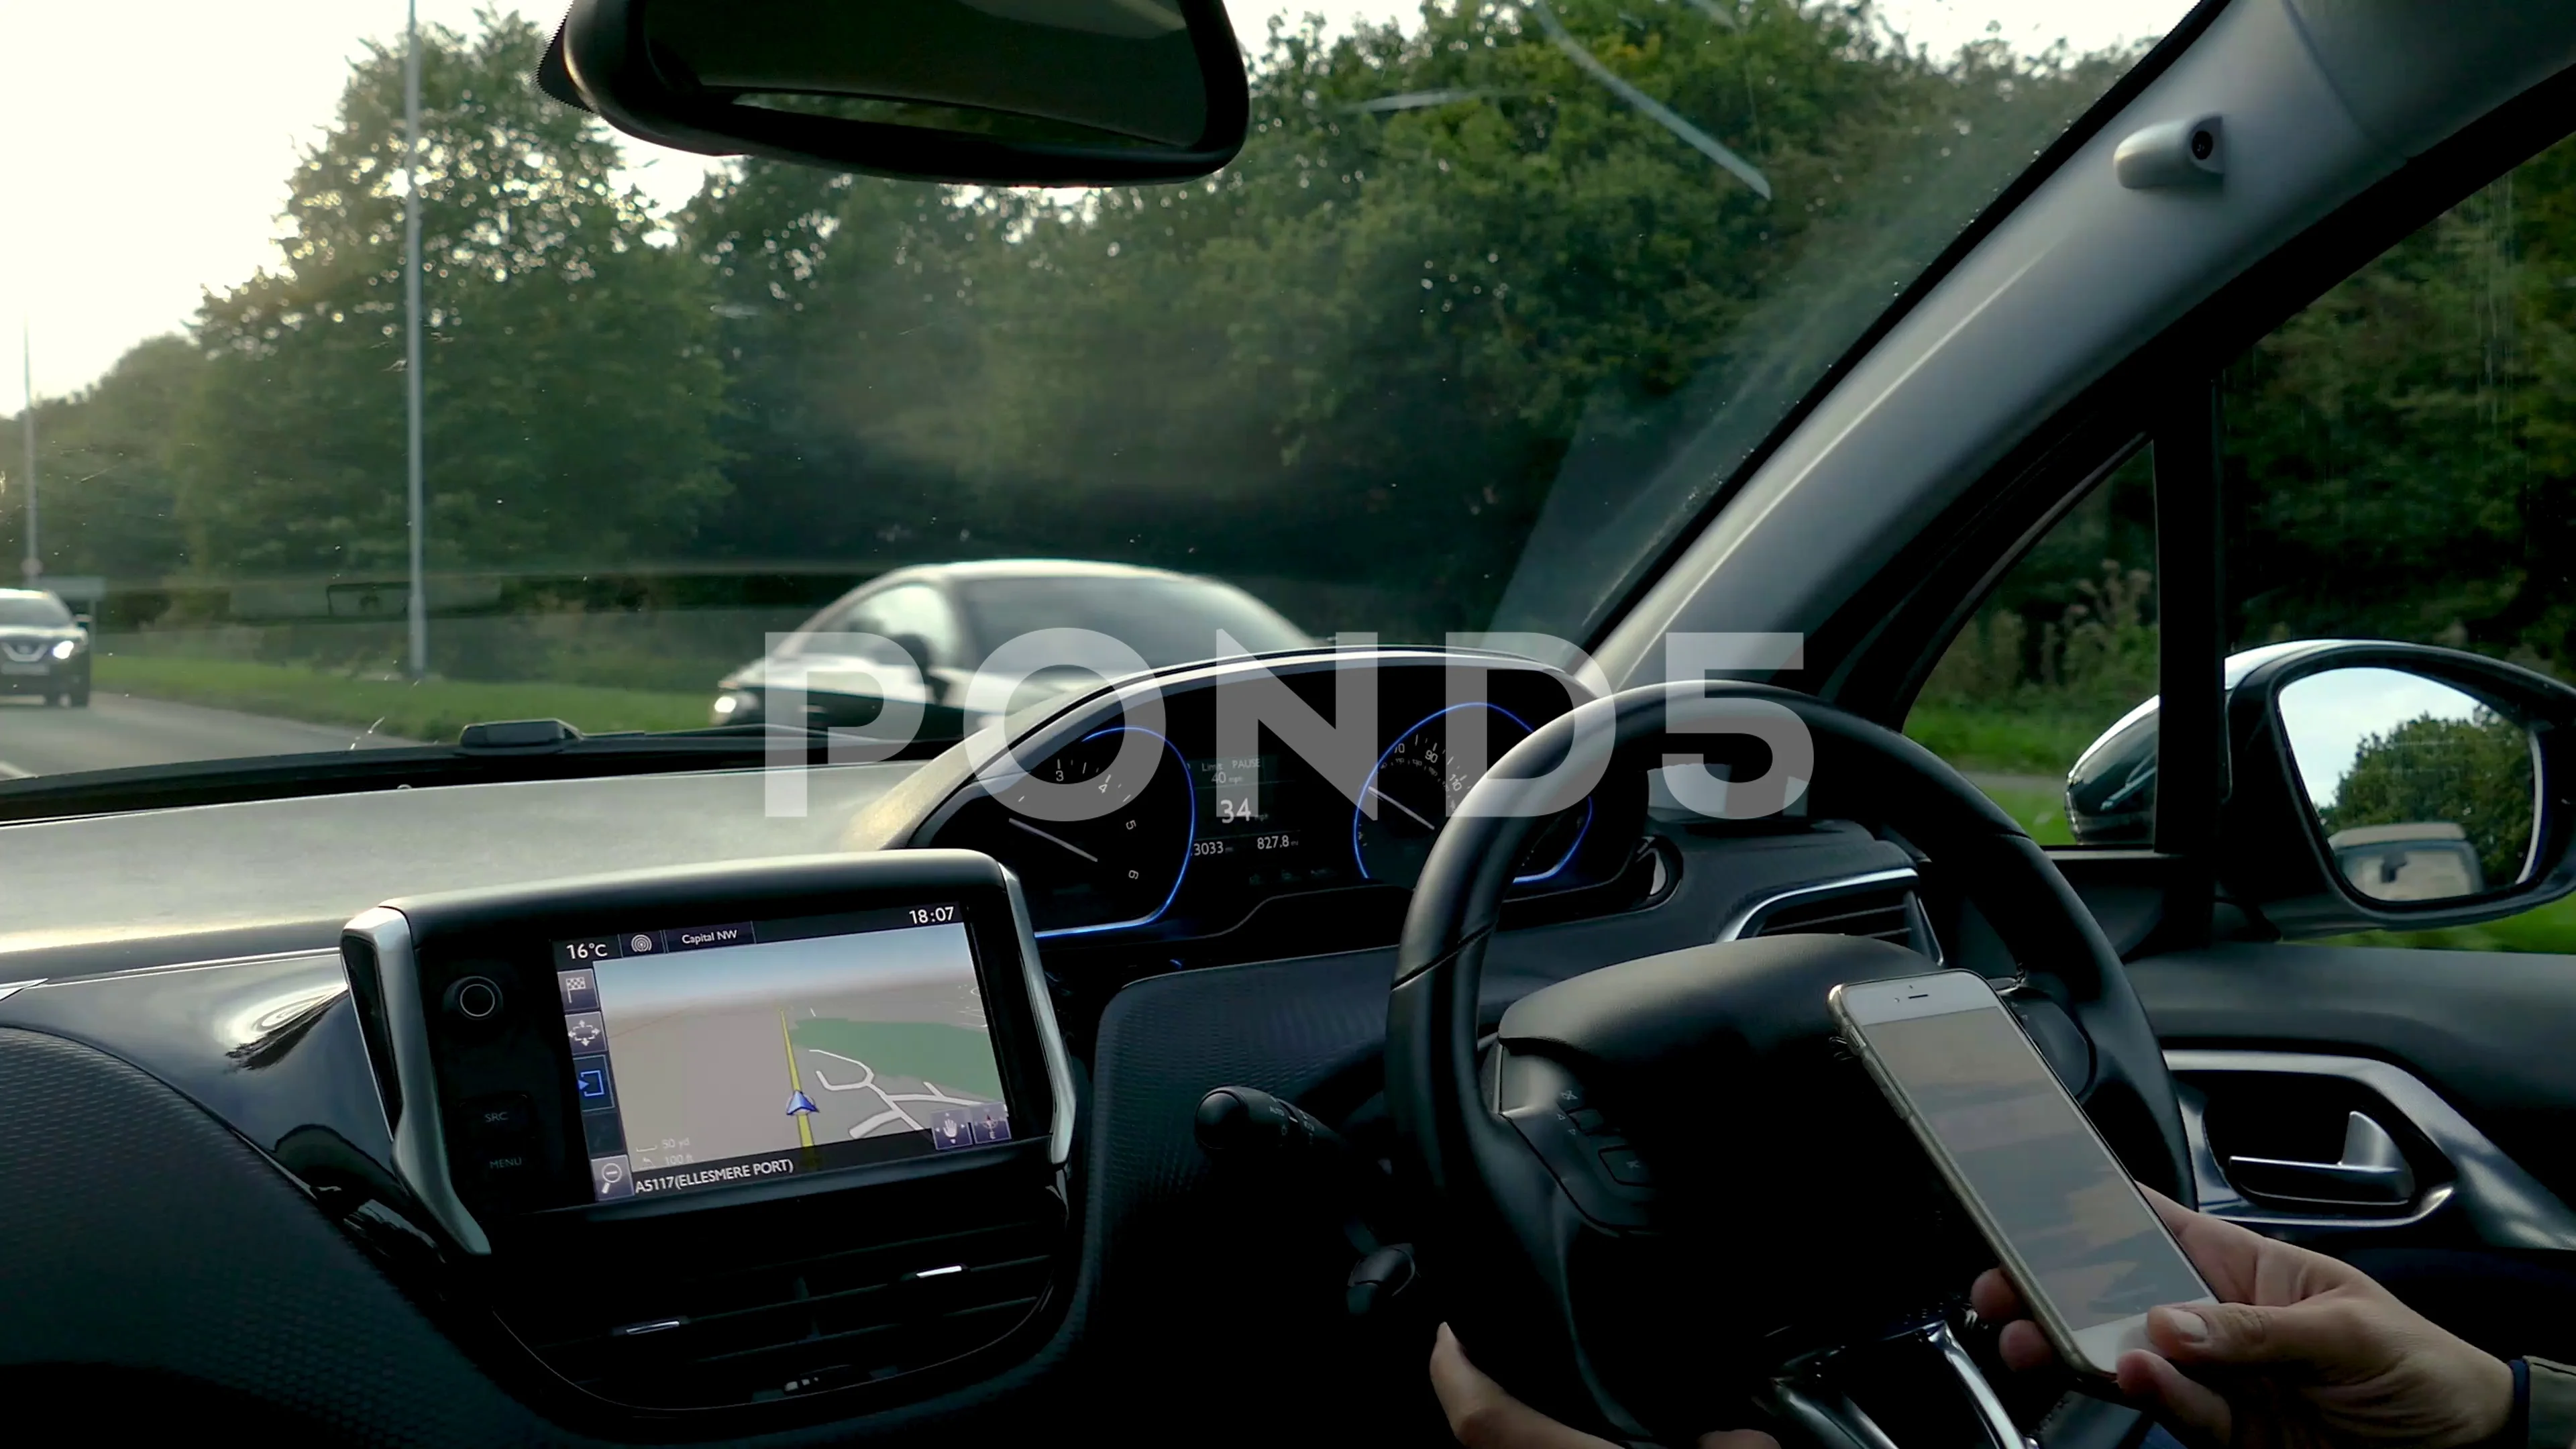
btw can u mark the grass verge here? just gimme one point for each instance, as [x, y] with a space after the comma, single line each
[2042, 812]
[2040, 740]
[2549, 929]
[433, 710]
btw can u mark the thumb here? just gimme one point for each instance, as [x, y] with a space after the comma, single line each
[2247, 1333]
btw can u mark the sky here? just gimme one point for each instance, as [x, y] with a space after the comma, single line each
[2328, 715]
[129, 191]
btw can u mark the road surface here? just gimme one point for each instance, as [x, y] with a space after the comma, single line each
[117, 730]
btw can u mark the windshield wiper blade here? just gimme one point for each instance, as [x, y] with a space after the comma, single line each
[339, 772]
[1655, 110]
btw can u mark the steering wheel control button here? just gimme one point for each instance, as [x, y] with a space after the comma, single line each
[474, 999]
[1624, 1165]
[1588, 1121]
[611, 1178]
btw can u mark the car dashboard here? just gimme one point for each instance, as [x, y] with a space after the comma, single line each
[1224, 914]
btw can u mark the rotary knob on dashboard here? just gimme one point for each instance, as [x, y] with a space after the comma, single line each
[474, 1000]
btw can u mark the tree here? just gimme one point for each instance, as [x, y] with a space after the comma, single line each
[108, 497]
[2402, 453]
[571, 382]
[1362, 357]
[2474, 773]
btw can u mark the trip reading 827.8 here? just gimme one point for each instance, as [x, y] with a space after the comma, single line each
[932, 915]
[1275, 840]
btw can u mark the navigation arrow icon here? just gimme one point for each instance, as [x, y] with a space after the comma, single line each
[799, 1102]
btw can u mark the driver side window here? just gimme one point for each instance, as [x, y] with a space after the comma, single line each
[2060, 652]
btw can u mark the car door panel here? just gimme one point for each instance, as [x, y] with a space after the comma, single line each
[2463, 1059]
[2494, 1034]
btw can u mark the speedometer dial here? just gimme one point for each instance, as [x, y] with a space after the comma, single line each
[1416, 787]
[1119, 867]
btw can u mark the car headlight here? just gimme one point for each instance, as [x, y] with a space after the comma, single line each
[66, 649]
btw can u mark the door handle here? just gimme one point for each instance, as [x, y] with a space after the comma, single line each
[2372, 1171]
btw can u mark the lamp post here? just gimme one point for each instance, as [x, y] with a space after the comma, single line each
[34, 563]
[411, 334]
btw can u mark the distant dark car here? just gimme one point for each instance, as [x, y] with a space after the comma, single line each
[948, 618]
[43, 648]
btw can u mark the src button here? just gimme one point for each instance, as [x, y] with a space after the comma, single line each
[476, 998]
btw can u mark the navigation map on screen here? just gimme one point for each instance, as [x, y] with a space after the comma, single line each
[732, 1053]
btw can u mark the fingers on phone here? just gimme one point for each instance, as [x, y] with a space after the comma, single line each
[1994, 1297]
[2188, 1403]
[2023, 1347]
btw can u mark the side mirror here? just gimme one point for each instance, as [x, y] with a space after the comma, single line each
[83, 622]
[991, 92]
[2374, 786]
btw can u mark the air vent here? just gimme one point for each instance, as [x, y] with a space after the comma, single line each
[1888, 914]
[660, 1336]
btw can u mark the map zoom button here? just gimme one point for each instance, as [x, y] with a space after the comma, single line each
[611, 1178]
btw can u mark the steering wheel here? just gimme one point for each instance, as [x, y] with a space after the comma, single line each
[1763, 1228]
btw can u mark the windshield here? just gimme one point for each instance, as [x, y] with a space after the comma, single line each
[33, 611]
[1495, 299]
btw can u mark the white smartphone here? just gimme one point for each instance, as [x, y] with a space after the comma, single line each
[2087, 1251]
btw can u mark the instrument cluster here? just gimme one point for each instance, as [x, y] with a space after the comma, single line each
[1130, 822]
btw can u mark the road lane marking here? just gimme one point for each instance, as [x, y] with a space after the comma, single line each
[795, 1083]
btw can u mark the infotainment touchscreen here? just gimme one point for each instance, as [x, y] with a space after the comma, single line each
[736, 1052]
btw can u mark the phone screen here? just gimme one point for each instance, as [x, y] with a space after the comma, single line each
[2023, 1148]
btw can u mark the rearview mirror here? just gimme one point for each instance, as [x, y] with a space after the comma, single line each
[995, 92]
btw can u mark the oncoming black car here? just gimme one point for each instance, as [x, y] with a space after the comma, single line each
[44, 650]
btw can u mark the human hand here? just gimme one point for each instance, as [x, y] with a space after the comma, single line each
[1485, 1417]
[2301, 1352]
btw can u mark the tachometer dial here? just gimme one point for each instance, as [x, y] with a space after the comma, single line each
[1119, 867]
[1417, 786]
